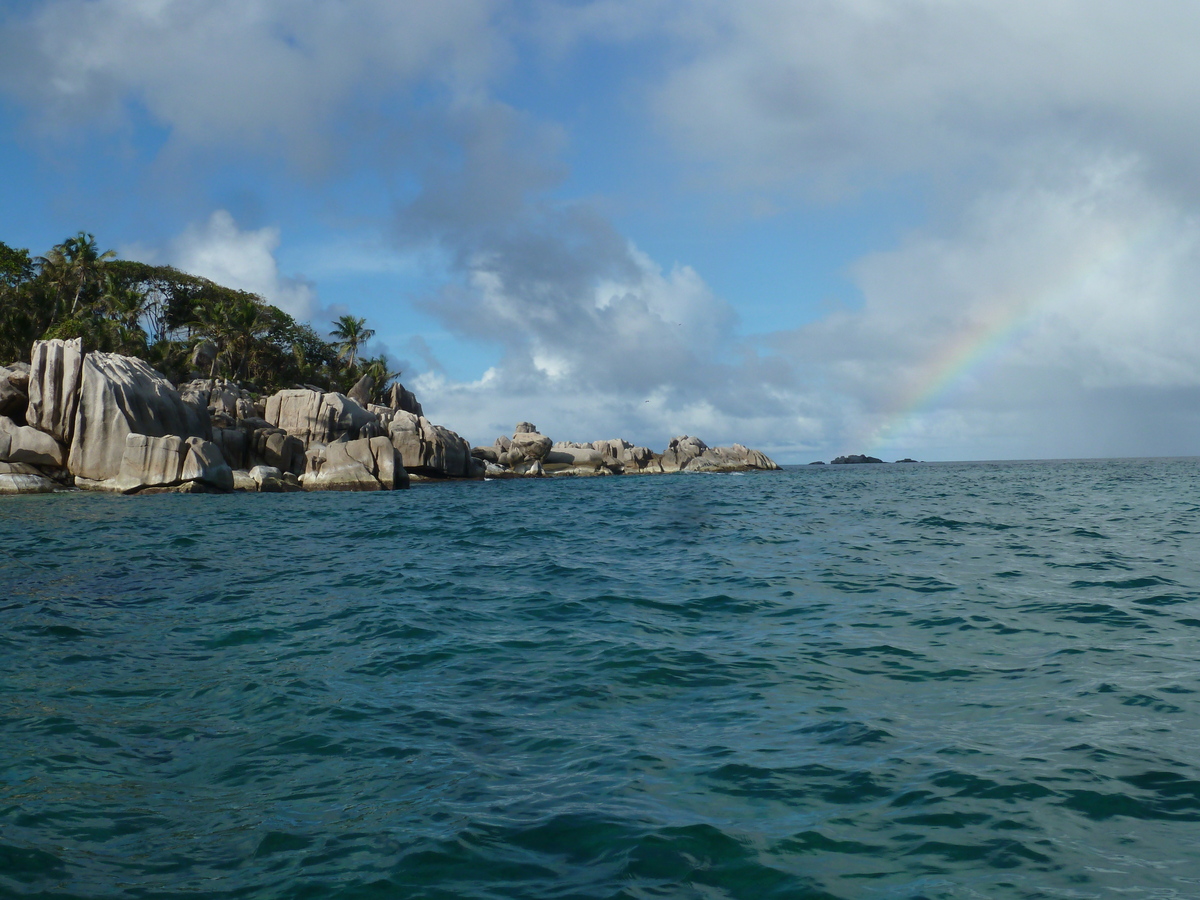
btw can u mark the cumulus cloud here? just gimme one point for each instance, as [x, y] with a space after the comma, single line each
[219, 250]
[593, 331]
[848, 93]
[286, 76]
[1042, 309]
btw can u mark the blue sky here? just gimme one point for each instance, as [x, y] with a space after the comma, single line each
[907, 228]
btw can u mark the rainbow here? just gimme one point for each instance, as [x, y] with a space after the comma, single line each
[1000, 326]
[987, 339]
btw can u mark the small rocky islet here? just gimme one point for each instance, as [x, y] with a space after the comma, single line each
[100, 421]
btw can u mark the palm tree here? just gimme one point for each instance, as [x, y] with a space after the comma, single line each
[121, 302]
[73, 268]
[379, 370]
[235, 322]
[352, 333]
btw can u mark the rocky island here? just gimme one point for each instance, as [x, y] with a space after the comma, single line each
[101, 421]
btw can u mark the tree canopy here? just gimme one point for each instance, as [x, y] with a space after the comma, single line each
[163, 315]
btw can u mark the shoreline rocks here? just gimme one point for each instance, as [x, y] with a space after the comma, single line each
[107, 422]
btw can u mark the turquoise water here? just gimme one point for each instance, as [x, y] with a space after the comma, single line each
[934, 681]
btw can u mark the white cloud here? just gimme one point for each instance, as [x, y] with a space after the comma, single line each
[1057, 318]
[854, 92]
[243, 259]
[262, 74]
[1044, 308]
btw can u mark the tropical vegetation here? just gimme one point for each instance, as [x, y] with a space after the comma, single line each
[179, 323]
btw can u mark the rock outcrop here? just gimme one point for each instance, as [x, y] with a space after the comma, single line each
[54, 382]
[427, 449]
[24, 444]
[119, 396]
[735, 458]
[568, 460]
[14, 391]
[400, 399]
[320, 418]
[367, 464]
[525, 453]
[171, 461]
[681, 451]
[854, 459]
[104, 421]
[362, 390]
[22, 478]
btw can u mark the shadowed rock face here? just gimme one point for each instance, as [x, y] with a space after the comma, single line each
[54, 381]
[401, 399]
[429, 449]
[24, 444]
[14, 392]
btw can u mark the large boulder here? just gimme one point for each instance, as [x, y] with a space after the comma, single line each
[613, 451]
[320, 418]
[735, 458]
[169, 460]
[455, 451]
[119, 396]
[55, 377]
[14, 391]
[533, 446]
[362, 391]
[573, 461]
[399, 398]
[151, 462]
[203, 464]
[17, 374]
[487, 454]
[22, 478]
[640, 461]
[204, 356]
[428, 449]
[301, 413]
[681, 451]
[367, 464]
[23, 444]
[267, 479]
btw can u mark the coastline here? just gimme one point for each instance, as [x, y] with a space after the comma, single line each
[95, 421]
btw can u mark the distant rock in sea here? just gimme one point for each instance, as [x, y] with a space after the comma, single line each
[817, 463]
[906, 459]
[854, 459]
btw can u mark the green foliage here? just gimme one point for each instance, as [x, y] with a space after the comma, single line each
[26, 309]
[377, 367]
[160, 314]
[351, 333]
[16, 267]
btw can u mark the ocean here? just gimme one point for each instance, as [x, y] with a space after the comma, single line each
[972, 680]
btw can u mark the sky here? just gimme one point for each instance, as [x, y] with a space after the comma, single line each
[938, 229]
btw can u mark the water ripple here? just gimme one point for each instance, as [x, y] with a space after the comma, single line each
[936, 681]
